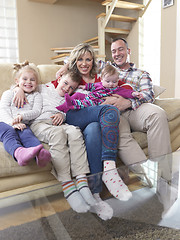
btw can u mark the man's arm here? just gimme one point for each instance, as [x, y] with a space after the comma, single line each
[118, 101]
[145, 88]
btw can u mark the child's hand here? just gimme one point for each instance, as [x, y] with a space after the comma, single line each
[81, 87]
[20, 126]
[19, 97]
[138, 95]
[17, 119]
[57, 119]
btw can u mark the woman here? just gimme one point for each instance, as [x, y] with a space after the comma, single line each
[82, 60]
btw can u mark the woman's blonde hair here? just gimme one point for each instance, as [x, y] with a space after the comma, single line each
[26, 66]
[77, 52]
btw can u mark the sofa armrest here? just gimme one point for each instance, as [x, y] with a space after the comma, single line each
[171, 106]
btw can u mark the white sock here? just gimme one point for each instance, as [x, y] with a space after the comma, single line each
[83, 188]
[74, 198]
[102, 209]
[114, 183]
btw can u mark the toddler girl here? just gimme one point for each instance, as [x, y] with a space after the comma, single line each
[18, 139]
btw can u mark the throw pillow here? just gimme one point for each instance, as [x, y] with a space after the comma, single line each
[158, 90]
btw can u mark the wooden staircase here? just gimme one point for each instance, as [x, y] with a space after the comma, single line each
[105, 29]
[63, 53]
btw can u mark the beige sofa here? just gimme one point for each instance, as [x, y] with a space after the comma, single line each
[13, 177]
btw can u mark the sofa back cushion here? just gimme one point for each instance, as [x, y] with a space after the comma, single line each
[47, 74]
[6, 76]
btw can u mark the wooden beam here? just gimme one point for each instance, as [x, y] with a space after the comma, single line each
[118, 18]
[109, 12]
[92, 40]
[126, 5]
[45, 1]
[117, 30]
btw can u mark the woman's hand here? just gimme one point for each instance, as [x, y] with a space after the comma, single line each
[20, 126]
[118, 101]
[57, 119]
[62, 70]
[17, 119]
[19, 98]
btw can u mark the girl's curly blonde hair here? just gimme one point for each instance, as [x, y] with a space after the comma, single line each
[25, 66]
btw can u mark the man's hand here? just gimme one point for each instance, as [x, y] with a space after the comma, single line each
[57, 119]
[138, 95]
[118, 101]
[20, 126]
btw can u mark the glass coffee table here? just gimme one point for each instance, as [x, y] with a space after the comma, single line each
[45, 214]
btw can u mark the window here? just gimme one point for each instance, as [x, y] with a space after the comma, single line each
[150, 37]
[8, 31]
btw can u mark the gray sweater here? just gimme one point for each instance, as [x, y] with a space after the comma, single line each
[30, 111]
[51, 100]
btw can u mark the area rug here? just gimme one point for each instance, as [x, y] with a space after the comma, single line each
[69, 225]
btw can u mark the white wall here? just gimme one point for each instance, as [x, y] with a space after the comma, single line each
[168, 50]
[177, 67]
[43, 26]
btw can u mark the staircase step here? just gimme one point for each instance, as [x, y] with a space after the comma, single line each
[69, 49]
[126, 5]
[61, 57]
[117, 30]
[118, 18]
[92, 40]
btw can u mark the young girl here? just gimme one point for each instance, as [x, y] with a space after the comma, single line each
[18, 139]
[98, 91]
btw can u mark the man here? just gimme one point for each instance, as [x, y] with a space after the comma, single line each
[138, 115]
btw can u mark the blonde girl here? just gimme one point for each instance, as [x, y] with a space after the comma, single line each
[18, 139]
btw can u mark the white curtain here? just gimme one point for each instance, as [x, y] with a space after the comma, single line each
[8, 31]
[150, 38]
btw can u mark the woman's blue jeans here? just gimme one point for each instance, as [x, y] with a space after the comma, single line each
[100, 126]
[93, 142]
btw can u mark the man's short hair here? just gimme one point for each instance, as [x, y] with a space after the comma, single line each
[119, 38]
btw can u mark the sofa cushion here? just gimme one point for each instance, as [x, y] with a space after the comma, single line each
[158, 90]
[48, 72]
[6, 76]
[171, 106]
[9, 167]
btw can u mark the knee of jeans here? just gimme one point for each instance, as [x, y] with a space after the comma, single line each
[92, 129]
[110, 114]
